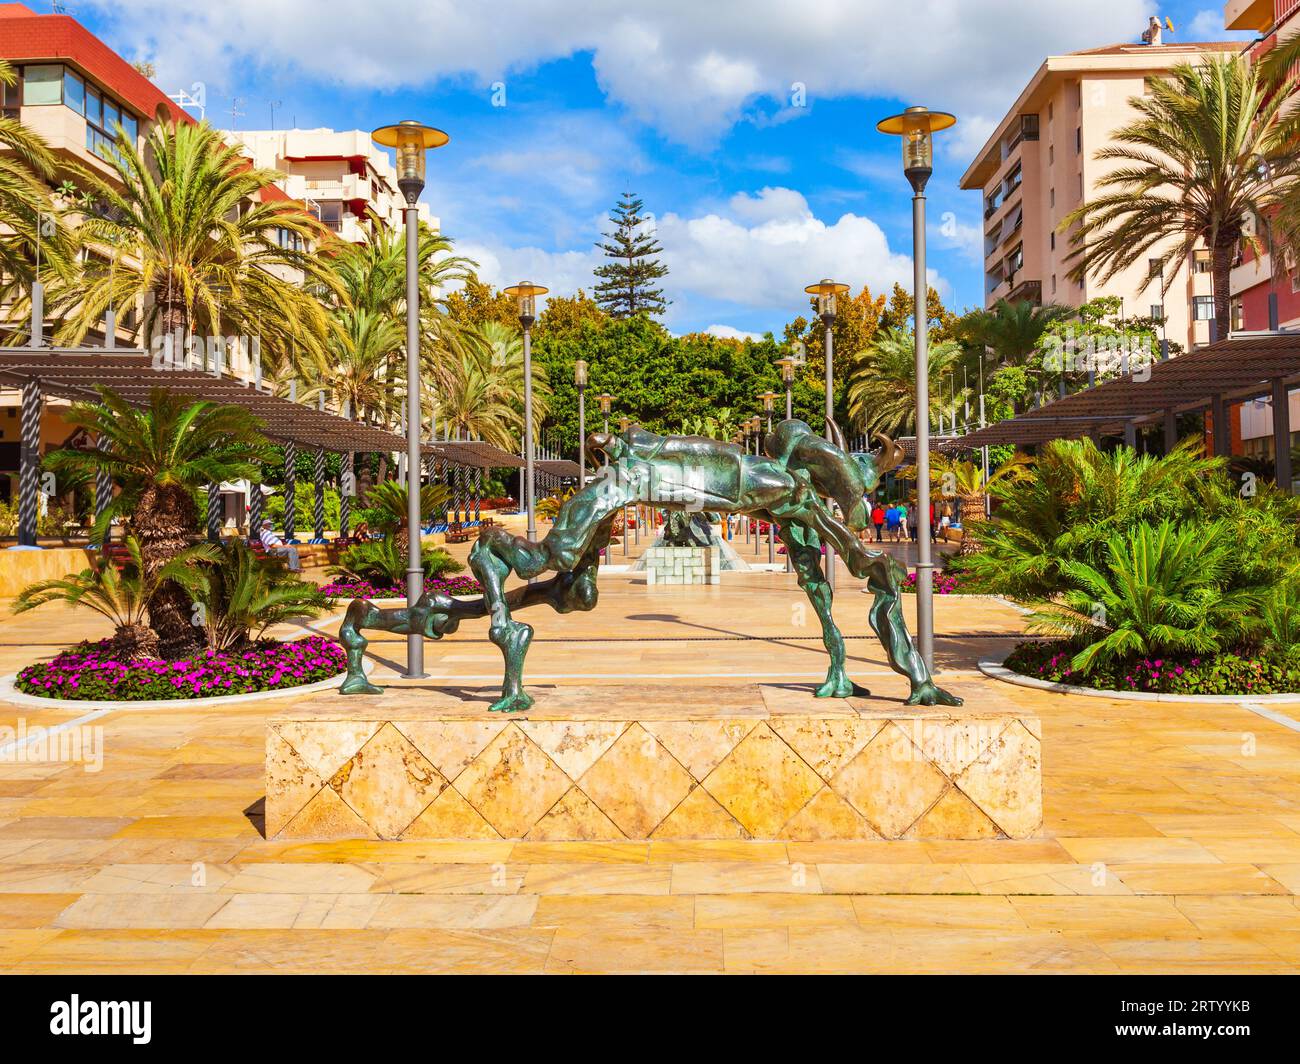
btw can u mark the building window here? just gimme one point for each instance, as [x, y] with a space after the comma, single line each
[1051, 197]
[42, 85]
[288, 239]
[1053, 284]
[74, 92]
[1202, 308]
[331, 214]
[11, 98]
[1201, 262]
[1013, 180]
[1157, 311]
[1051, 239]
[1237, 317]
[1078, 138]
[1155, 268]
[1051, 154]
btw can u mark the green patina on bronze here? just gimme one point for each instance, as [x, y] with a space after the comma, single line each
[787, 485]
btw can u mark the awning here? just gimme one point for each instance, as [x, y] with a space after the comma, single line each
[74, 374]
[473, 453]
[557, 467]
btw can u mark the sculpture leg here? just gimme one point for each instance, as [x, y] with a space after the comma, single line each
[571, 549]
[804, 550]
[433, 616]
[884, 577]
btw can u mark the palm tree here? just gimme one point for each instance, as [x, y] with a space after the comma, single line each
[479, 386]
[191, 236]
[969, 485]
[122, 598]
[882, 382]
[27, 167]
[159, 456]
[1211, 148]
[243, 595]
[1011, 330]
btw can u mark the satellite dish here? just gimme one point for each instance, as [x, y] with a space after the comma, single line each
[1169, 24]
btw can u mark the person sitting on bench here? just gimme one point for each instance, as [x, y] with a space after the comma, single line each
[273, 544]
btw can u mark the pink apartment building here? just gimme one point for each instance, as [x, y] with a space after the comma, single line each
[1039, 165]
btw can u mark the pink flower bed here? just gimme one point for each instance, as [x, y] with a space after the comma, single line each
[943, 583]
[89, 672]
[446, 585]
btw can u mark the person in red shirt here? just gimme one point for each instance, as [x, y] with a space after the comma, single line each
[878, 519]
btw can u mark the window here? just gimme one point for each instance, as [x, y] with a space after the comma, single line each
[42, 85]
[11, 98]
[331, 214]
[1157, 311]
[1051, 197]
[1053, 284]
[94, 108]
[112, 116]
[74, 91]
[1029, 127]
[1202, 308]
[1155, 268]
[1051, 239]
[1201, 262]
[1051, 154]
[288, 239]
[1078, 138]
[1050, 111]
[1013, 180]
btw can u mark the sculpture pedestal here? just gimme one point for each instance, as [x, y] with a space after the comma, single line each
[682, 565]
[597, 763]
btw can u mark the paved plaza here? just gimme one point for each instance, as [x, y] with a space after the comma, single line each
[1171, 843]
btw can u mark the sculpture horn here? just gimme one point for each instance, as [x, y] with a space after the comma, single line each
[834, 434]
[890, 455]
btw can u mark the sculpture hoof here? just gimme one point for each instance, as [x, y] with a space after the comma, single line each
[837, 687]
[359, 685]
[927, 694]
[512, 703]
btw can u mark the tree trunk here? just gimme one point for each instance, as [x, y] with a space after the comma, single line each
[1220, 269]
[164, 522]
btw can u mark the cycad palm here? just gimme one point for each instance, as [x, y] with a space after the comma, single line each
[188, 230]
[1210, 148]
[1158, 591]
[159, 455]
[882, 382]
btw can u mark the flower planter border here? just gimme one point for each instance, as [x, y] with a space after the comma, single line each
[997, 671]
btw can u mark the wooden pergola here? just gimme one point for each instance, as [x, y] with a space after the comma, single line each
[1209, 378]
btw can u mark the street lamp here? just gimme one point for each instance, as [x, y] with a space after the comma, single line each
[525, 294]
[769, 403]
[606, 401]
[826, 292]
[916, 126]
[787, 378]
[412, 141]
[580, 379]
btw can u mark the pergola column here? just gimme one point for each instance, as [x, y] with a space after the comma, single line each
[318, 503]
[290, 514]
[1282, 435]
[214, 512]
[478, 494]
[103, 494]
[1130, 434]
[1171, 430]
[254, 511]
[29, 463]
[1222, 434]
[347, 485]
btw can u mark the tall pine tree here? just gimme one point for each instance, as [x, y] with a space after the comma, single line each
[625, 282]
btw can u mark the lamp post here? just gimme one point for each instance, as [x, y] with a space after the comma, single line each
[827, 292]
[580, 379]
[916, 126]
[412, 141]
[787, 378]
[525, 294]
[769, 404]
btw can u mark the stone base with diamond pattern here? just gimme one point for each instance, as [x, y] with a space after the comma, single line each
[758, 767]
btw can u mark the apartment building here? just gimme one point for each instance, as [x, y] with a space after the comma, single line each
[1265, 292]
[1039, 165]
[347, 182]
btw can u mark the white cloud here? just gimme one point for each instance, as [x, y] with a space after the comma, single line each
[757, 254]
[688, 68]
[727, 332]
[1208, 26]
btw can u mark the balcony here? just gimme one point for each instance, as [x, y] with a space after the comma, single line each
[1254, 15]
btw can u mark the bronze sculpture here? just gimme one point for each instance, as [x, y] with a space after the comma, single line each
[788, 485]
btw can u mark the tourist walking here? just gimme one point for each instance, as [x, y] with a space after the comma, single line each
[878, 519]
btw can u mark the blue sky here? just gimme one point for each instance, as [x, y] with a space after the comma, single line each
[747, 128]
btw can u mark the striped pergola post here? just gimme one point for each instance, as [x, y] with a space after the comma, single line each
[29, 463]
[254, 511]
[103, 494]
[347, 485]
[318, 502]
[290, 513]
[214, 512]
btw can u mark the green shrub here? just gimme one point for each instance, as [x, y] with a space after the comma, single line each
[383, 562]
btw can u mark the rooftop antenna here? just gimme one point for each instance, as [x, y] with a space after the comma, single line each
[235, 113]
[273, 104]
